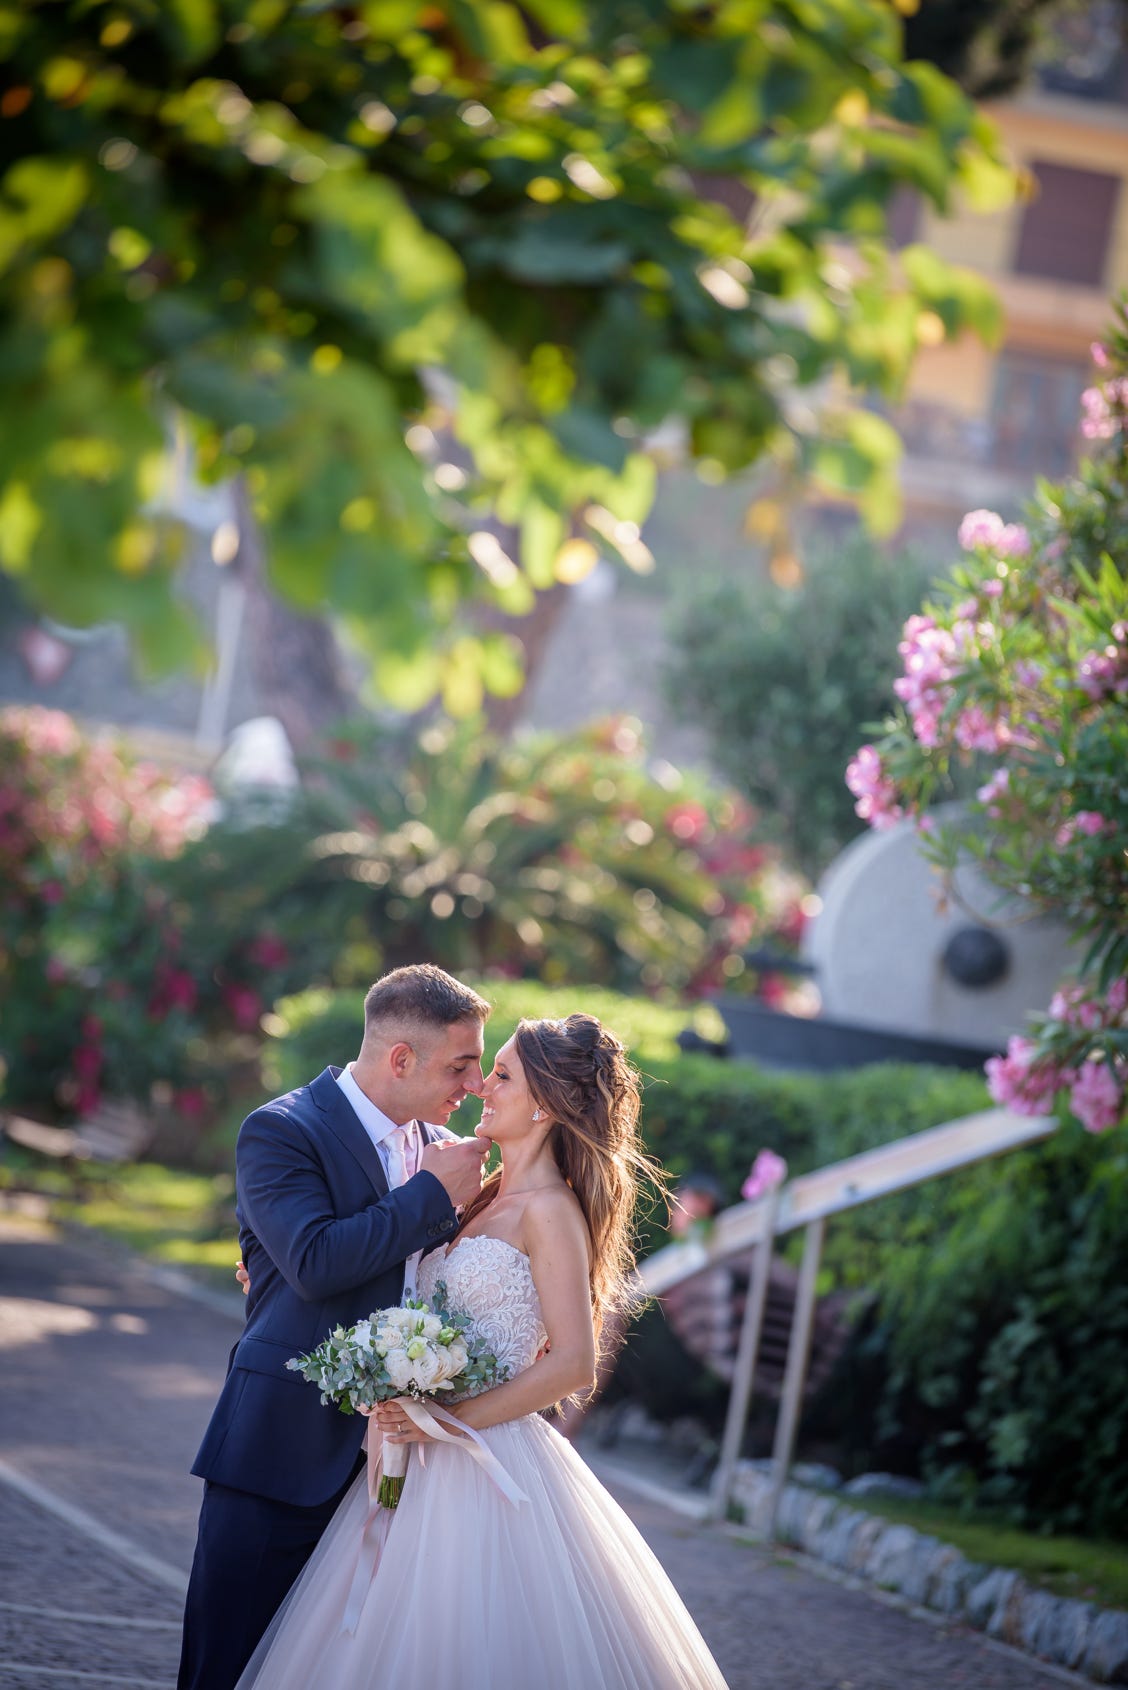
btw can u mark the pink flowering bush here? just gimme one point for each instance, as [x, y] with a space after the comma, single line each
[1014, 692]
[112, 983]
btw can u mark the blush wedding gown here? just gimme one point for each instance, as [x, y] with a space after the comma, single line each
[557, 1592]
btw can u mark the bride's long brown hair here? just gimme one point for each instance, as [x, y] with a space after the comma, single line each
[578, 1073]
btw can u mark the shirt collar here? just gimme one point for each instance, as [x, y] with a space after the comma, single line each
[375, 1123]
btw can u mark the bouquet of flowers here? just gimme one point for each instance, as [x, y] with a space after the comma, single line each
[416, 1351]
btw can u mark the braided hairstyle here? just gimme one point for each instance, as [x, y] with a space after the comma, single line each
[578, 1074]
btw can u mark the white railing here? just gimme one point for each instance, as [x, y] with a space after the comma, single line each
[808, 1202]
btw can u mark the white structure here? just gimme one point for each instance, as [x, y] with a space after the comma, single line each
[891, 952]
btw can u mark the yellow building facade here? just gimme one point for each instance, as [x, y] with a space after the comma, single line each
[980, 423]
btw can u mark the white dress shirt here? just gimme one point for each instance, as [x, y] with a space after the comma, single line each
[377, 1125]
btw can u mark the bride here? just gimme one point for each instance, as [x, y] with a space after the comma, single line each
[556, 1591]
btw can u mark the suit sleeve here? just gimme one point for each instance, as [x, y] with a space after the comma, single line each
[285, 1199]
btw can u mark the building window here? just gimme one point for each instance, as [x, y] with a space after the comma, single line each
[1065, 228]
[1035, 413]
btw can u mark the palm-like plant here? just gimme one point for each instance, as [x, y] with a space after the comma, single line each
[559, 855]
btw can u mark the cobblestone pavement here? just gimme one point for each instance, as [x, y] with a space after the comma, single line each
[106, 1382]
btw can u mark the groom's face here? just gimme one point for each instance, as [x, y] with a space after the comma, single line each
[447, 1070]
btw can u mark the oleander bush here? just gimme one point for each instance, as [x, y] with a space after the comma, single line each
[1015, 676]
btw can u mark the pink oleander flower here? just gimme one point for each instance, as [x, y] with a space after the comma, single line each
[1018, 1082]
[1096, 1097]
[997, 787]
[1101, 672]
[975, 730]
[987, 529]
[993, 588]
[766, 1172]
[1014, 541]
[1075, 1008]
[1103, 408]
[1091, 822]
[875, 793]
[1099, 355]
[1117, 997]
[979, 528]
[929, 657]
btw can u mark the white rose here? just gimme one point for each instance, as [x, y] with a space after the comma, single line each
[362, 1335]
[432, 1326]
[399, 1370]
[390, 1336]
[425, 1371]
[458, 1357]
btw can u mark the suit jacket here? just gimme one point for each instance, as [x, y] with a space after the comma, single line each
[325, 1243]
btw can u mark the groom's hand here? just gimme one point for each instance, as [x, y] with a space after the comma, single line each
[457, 1165]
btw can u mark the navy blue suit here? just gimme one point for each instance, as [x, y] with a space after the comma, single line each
[325, 1243]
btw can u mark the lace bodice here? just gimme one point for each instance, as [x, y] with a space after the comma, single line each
[492, 1282]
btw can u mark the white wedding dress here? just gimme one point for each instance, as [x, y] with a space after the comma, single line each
[558, 1592]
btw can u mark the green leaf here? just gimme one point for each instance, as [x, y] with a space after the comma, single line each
[38, 198]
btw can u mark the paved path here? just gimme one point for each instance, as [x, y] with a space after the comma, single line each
[106, 1381]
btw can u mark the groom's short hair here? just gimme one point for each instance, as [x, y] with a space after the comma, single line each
[420, 997]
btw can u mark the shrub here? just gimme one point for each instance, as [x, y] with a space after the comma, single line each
[1020, 671]
[135, 962]
[563, 856]
[785, 680]
[996, 1350]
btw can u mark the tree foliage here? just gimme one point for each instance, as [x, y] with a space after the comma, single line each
[304, 244]
[784, 680]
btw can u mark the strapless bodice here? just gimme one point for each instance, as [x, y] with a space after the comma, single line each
[492, 1282]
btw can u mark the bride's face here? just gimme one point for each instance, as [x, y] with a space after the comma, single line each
[507, 1106]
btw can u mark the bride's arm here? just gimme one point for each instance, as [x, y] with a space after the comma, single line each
[556, 1239]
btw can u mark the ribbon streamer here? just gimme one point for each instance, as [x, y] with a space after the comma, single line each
[434, 1421]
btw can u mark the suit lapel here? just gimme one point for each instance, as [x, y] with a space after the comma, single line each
[341, 1120]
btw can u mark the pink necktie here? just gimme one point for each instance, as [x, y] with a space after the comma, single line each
[401, 1155]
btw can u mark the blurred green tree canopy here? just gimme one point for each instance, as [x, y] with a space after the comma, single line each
[316, 246]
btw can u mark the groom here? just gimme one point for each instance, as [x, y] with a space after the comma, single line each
[340, 1187]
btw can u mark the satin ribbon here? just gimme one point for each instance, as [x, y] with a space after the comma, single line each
[433, 1420]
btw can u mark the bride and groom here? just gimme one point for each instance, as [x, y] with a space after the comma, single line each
[351, 1194]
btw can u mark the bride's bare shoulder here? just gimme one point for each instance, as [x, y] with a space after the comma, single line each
[553, 1212]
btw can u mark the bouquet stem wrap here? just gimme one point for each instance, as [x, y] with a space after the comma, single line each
[435, 1421]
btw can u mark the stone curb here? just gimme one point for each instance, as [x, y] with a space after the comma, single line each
[1077, 1635]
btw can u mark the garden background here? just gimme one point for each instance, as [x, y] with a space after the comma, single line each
[381, 330]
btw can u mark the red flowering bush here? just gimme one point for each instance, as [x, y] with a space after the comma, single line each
[1015, 687]
[111, 985]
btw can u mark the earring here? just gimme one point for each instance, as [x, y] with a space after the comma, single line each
[536, 1114]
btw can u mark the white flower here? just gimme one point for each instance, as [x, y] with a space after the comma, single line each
[399, 1370]
[362, 1335]
[416, 1349]
[458, 1357]
[425, 1370]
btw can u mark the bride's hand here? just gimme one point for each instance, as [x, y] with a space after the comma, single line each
[398, 1427]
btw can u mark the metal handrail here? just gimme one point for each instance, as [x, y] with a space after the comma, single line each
[808, 1202]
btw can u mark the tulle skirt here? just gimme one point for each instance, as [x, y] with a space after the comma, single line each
[559, 1592]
